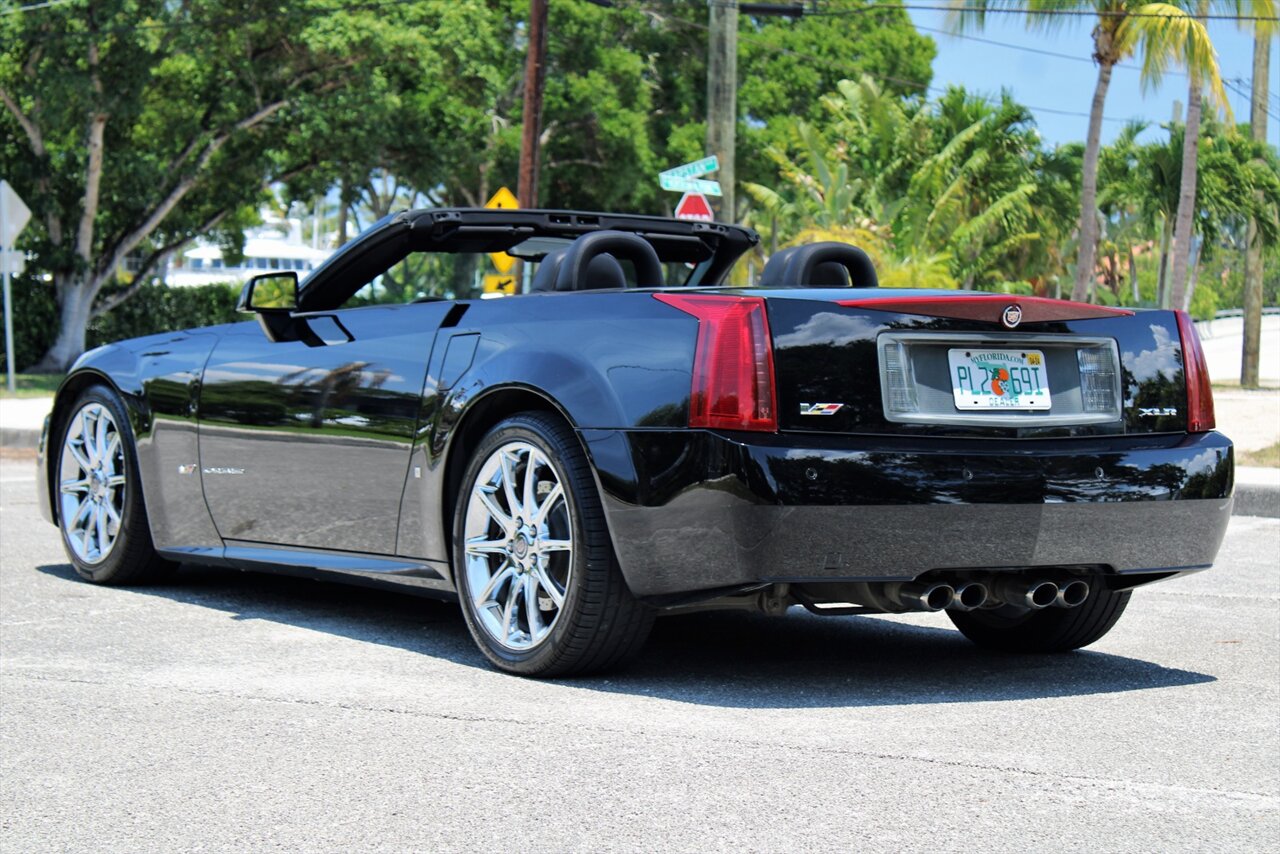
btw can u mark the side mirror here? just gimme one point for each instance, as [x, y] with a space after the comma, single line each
[270, 292]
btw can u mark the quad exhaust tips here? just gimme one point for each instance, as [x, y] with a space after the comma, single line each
[921, 596]
[1027, 593]
[1037, 593]
[969, 595]
[965, 595]
[1072, 593]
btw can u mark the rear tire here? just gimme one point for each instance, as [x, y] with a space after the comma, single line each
[101, 513]
[1047, 630]
[540, 586]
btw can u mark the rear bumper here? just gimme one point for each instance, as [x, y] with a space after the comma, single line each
[697, 510]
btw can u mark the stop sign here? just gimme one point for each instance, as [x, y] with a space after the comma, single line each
[694, 206]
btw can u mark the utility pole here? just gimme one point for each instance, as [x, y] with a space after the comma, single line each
[534, 77]
[722, 95]
[1251, 352]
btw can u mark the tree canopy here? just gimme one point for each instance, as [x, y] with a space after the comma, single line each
[132, 127]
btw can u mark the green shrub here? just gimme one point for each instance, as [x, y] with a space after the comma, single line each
[154, 308]
[35, 320]
[161, 308]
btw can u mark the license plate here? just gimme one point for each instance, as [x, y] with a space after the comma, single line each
[983, 378]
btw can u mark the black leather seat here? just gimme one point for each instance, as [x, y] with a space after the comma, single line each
[603, 271]
[544, 279]
[830, 274]
[828, 264]
[595, 258]
[592, 262]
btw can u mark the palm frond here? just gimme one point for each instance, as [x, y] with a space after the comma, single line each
[1171, 36]
[997, 214]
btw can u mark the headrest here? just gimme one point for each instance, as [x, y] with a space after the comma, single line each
[771, 276]
[603, 271]
[545, 277]
[804, 265]
[830, 274]
[576, 274]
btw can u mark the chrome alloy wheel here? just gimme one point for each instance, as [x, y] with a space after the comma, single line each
[518, 545]
[91, 483]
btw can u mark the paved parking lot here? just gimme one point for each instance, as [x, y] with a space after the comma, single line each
[231, 711]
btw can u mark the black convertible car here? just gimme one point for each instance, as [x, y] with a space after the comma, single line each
[624, 436]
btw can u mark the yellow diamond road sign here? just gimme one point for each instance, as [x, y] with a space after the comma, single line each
[502, 261]
[499, 284]
[506, 200]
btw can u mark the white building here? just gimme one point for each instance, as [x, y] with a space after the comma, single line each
[277, 245]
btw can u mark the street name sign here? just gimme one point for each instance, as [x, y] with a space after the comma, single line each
[690, 185]
[692, 170]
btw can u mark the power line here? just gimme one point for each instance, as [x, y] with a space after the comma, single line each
[1036, 50]
[1248, 84]
[33, 7]
[916, 84]
[1060, 13]
[1248, 97]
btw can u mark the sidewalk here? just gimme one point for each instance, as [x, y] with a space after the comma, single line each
[1250, 418]
[21, 420]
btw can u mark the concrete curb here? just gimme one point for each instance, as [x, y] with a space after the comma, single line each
[1257, 489]
[1257, 501]
[19, 437]
[1257, 492]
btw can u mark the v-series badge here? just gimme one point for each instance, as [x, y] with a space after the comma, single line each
[820, 408]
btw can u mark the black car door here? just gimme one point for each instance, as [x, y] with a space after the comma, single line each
[307, 442]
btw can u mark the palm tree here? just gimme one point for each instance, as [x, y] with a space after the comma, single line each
[1120, 201]
[938, 195]
[1202, 67]
[1253, 246]
[1161, 32]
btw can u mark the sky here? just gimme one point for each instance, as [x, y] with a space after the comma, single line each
[1043, 82]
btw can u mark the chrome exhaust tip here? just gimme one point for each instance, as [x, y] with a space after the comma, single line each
[918, 596]
[1034, 594]
[969, 595]
[1072, 593]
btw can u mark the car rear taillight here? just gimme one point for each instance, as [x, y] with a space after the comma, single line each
[1196, 371]
[733, 386]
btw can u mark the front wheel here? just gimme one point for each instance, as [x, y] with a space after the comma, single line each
[1047, 630]
[99, 495]
[540, 587]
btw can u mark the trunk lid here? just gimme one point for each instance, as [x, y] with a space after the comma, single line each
[969, 364]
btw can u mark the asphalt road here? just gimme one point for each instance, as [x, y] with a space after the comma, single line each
[231, 711]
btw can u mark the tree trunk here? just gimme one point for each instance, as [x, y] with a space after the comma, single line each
[531, 121]
[1089, 187]
[1133, 276]
[722, 98]
[1162, 280]
[1253, 244]
[344, 202]
[1185, 222]
[1194, 263]
[73, 319]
